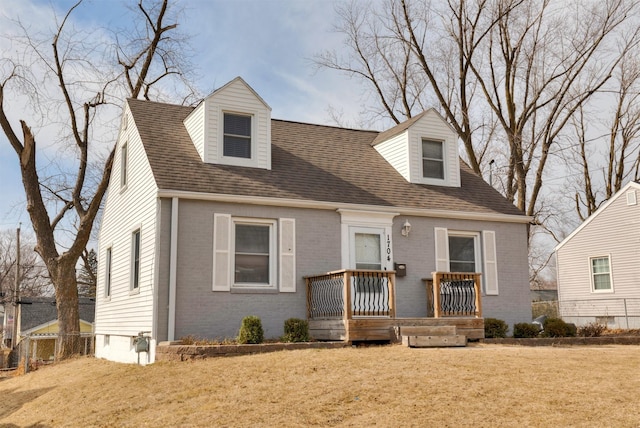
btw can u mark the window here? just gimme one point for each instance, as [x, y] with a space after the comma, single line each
[432, 159]
[135, 260]
[107, 274]
[123, 165]
[237, 136]
[462, 253]
[254, 253]
[368, 251]
[601, 274]
[107, 340]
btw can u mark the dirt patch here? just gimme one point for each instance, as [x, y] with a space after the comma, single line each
[480, 385]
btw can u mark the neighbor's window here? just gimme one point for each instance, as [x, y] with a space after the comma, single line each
[601, 273]
[135, 260]
[123, 165]
[432, 159]
[237, 136]
[107, 274]
[254, 253]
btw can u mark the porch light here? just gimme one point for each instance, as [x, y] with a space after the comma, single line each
[406, 228]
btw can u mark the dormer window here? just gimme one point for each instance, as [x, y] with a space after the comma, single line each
[432, 159]
[237, 136]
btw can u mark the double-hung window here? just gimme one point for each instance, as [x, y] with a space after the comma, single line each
[433, 159]
[237, 136]
[135, 260]
[601, 274]
[254, 253]
[463, 253]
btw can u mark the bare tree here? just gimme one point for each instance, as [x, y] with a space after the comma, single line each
[609, 160]
[139, 61]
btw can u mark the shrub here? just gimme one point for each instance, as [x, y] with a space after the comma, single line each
[525, 330]
[555, 327]
[296, 330]
[592, 330]
[251, 330]
[494, 328]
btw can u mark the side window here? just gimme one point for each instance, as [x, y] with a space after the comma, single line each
[107, 273]
[433, 159]
[237, 136]
[601, 274]
[123, 164]
[135, 260]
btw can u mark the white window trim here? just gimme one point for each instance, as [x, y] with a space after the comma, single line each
[479, 257]
[108, 273]
[232, 160]
[445, 163]
[444, 159]
[273, 253]
[593, 287]
[132, 289]
[124, 166]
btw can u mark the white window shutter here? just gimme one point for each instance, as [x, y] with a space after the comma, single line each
[287, 255]
[490, 262]
[442, 249]
[221, 252]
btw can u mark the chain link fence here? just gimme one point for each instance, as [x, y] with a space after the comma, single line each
[620, 313]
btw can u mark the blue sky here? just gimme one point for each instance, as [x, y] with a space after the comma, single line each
[269, 43]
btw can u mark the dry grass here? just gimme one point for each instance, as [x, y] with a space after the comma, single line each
[482, 385]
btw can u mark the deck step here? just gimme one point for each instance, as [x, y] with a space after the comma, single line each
[426, 330]
[434, 341]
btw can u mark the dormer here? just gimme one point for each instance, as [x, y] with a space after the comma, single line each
[423, 149]
[232, 126]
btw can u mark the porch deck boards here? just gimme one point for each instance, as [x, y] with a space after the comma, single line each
[363, 329]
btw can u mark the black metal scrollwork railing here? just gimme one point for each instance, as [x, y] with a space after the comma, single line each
[349, 293]
[454, 294]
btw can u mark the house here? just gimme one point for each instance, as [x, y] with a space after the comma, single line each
[38, 321]
[218, 212]
[597, 265]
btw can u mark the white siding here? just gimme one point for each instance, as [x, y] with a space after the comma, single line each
[196, 129]
[613, 231]
[127, 312]
[237, 97]
[433, 127]
[396, 151]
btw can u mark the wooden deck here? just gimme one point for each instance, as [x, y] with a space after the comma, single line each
[359, 305]
[387, 329]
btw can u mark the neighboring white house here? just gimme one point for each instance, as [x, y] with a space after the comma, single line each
[598, 265]
[217, 212]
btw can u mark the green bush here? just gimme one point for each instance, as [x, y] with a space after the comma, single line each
[525, 330]
[296, 330]
[494, 328]
[555, 327]
[592, 330]
[251, 330]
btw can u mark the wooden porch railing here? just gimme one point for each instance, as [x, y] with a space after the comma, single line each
[454, 294]
[368, 293]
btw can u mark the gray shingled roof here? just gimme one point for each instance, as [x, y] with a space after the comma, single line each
[35, 311]
[309, 162]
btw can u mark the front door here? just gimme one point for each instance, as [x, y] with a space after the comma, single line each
[369, 294]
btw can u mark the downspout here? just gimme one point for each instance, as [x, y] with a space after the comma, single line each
[173, 263]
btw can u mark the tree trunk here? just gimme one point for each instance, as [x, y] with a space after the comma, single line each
[65, 283]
